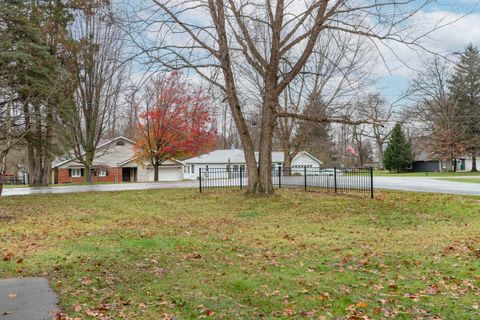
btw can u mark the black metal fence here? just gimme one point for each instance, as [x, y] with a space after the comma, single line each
[338, 180]
[12, 180]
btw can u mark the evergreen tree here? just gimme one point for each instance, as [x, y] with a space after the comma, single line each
[34, 75]
[465, 88]
[398, 154]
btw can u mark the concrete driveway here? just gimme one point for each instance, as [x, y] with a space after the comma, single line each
[416, 184]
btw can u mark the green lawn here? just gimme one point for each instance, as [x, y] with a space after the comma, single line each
[222, 255]
[470, 180]
[382, 173]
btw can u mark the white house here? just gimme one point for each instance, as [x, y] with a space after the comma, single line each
[235, 159]
[115, 161]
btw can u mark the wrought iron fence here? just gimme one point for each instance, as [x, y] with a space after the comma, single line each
[338, 180]
[12, 180]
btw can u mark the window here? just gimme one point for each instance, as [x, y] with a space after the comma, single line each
[120, 143]
[102, 172]
[192, 168]
[76, 173]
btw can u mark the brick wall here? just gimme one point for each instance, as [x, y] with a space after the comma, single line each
[63, 176]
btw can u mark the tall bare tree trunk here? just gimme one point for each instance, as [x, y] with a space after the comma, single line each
[264, 183]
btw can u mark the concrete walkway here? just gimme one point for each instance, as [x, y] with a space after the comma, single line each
[27, 299]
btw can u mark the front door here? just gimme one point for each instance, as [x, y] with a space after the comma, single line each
[126, 174]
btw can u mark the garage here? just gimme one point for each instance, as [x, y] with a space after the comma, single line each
[167, 173]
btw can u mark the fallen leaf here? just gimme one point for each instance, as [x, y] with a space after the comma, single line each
[7, 256]
[289, 311]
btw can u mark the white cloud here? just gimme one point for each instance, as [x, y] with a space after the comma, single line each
[455, 32]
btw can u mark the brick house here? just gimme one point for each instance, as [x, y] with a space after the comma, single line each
[115, 162]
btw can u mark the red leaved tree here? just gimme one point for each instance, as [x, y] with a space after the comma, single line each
[176, 121]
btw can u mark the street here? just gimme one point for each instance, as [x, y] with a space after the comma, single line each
[416, 184]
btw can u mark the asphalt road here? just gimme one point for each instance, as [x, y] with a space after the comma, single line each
[423, 184]
[416, 184]
[27, 299]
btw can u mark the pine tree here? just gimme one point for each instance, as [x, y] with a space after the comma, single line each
[465, 87]
[398, 154]
[33, 74]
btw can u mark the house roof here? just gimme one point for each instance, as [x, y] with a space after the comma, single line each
[425, 155]
[137, 157]
[102, 144]
[235, 156]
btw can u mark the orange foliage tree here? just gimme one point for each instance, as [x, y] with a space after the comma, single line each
[176, 121]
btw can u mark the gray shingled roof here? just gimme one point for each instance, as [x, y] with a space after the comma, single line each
[223, 156]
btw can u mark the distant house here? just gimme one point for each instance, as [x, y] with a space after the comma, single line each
[115, 161]
[427, 161]
[235, 160]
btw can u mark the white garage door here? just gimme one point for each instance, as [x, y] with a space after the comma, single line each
[169, 174]
[166, 174]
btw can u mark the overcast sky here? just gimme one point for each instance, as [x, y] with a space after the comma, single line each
[397, 64]
[464, 16]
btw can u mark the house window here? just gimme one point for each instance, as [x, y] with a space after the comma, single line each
[192, 168]
[76, 173]
[102, 173]
[120, 143]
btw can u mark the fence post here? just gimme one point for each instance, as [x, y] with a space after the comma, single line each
[371, 182]
[279, 177]
[305, 176]
[334, 178]
[200, 178]
[241, 178]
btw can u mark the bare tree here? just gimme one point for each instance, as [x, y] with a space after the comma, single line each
[336, 72]
[375, 107]
[221, 37]
[100, 69]
[437, 110]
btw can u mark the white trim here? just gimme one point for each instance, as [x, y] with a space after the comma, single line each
[308, 154]
[134, 158]
[76, 173]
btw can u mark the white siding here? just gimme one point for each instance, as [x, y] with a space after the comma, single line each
[111, 155]
[303, 159]
[196, 167]
[142, 173]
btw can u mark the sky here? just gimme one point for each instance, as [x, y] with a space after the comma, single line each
[397, 64]
[462, 27]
